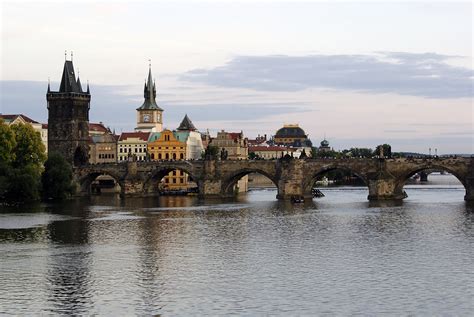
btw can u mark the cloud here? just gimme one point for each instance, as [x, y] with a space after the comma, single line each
[115, 106]
[424, 75]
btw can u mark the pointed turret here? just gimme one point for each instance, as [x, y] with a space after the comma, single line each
[79, 84]
[49, 86]
[149, 93]
[68, 80]
[186, 124]
[88, 90]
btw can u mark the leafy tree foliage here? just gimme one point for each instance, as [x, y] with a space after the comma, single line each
[7, 143]
[22, 155]
[23, 184]
[211, 152]
[57, 178]
[358, 152]
[387, 150]
[29, 148]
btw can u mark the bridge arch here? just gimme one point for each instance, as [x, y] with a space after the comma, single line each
[152, 183]
[402, 180]
[229, 182]
[85, 181]
[313, 176]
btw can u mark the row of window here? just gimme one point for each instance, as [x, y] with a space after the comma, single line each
[130, 145]
[106, 156]
[137, 150]
[125, 158]
[175, 180]
[166, 147]
[167, 156]
[177, 173]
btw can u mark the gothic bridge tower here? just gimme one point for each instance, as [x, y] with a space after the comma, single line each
[68, 118]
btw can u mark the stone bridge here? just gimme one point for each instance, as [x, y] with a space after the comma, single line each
[384, 178]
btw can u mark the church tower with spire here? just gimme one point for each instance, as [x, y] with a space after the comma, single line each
[68, 118]
[149, 114]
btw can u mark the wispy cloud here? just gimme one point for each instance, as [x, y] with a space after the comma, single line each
[425, 75]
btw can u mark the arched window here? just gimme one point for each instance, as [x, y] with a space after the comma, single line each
[181, 156]
[167, 156]
[174, 156]
[159, 156]
[152, 156]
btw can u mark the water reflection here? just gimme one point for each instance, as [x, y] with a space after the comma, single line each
[253, 255]
[70, 258]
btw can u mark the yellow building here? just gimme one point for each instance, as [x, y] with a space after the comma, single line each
[168, 145]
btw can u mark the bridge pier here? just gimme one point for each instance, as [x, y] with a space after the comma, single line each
[291, 181]
[423, 176]
[133, 183]
[385, 189]
[210, 189]
[469, 196]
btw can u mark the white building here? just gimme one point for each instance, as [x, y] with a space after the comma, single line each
[132, 146]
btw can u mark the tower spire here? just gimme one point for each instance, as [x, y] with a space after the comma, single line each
[149, 93]
[150, 87]
[49, 86]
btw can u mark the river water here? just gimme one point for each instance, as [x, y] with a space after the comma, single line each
[178, 256]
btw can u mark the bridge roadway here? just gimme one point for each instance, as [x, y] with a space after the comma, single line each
[384, 178]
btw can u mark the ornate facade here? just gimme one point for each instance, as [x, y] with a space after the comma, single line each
[183, 144]
[132, 146]
[235, 147]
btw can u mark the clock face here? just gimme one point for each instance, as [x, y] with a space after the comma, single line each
[146, 118]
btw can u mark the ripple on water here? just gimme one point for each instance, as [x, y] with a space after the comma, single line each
[338, 255]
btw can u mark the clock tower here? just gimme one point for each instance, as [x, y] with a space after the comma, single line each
[149, 115]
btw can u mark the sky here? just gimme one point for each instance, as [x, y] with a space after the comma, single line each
[358, 73]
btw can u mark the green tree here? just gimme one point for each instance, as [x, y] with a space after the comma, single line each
[7, 143]
[361, 152]
[20, 171]
[211, 153]
[29, 148]
[253, 156]
[7, 155]
[56, 179]
[387, 150]
[23, 184]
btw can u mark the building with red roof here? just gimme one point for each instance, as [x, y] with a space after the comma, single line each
[41, 128]
[132, 146]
